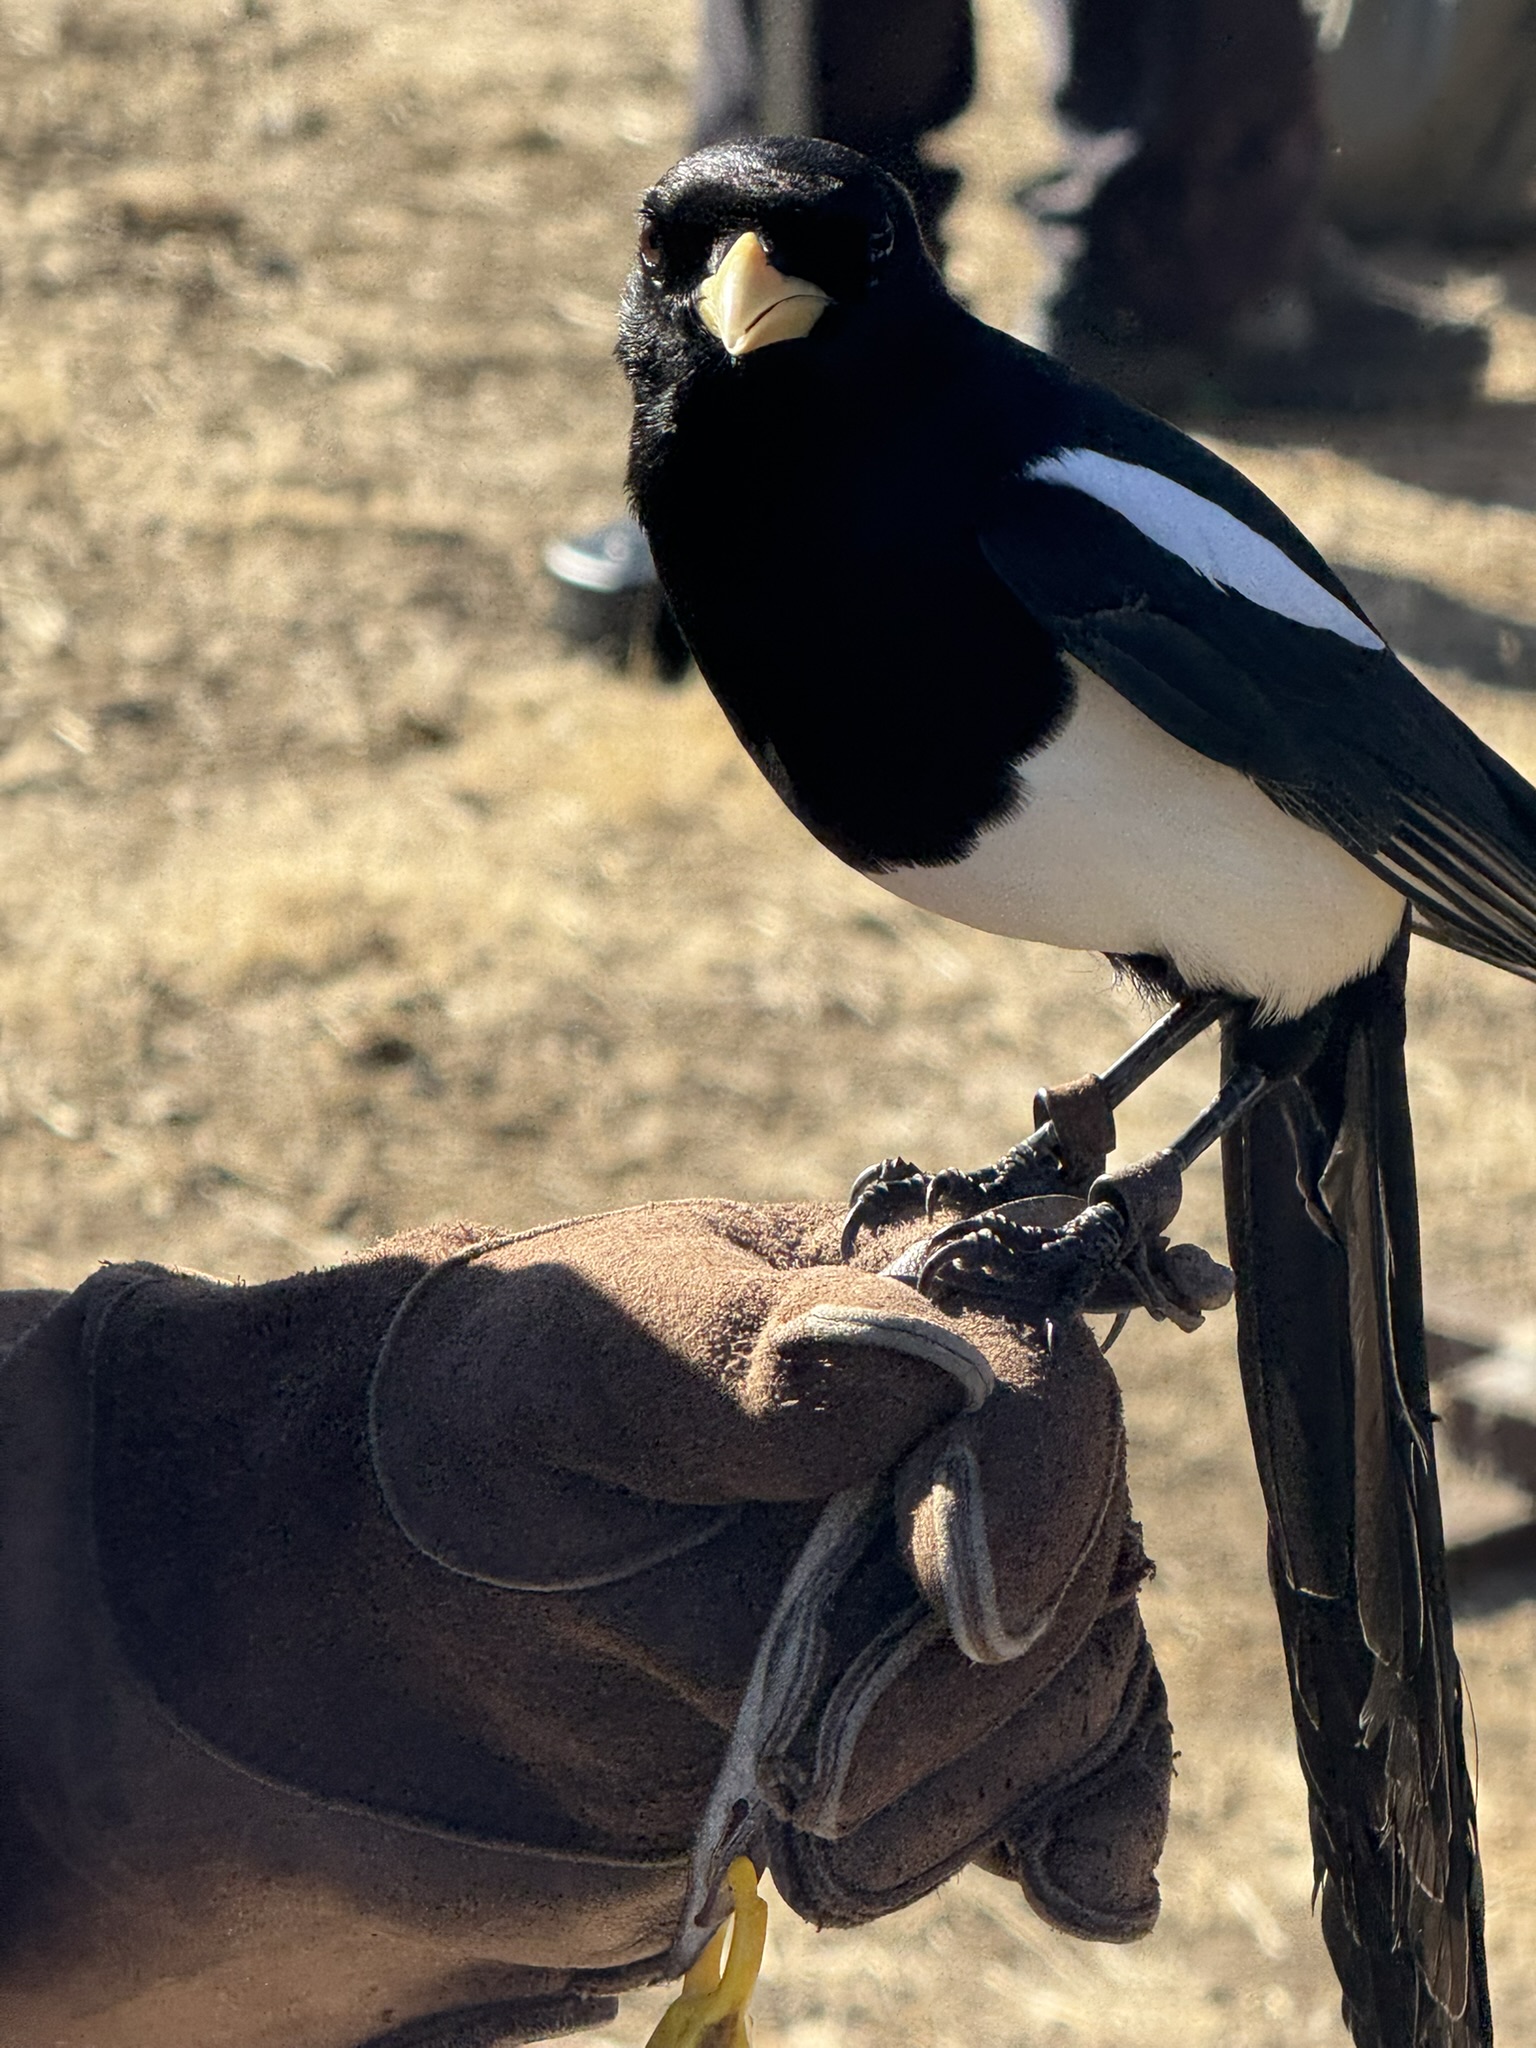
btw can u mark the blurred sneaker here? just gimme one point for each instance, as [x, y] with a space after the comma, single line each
[613, 560]
[608, 599]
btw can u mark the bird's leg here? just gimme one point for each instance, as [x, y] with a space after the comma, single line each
[1076, 1128]
[1113, 1253]
[1063, 1155]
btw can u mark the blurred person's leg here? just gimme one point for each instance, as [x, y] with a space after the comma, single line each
[1205, 273]
[1217, 209]
[880, 75]
[1435, 106]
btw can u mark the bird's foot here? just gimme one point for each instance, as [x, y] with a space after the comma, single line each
[1112, 1255]
[1063, 1155]
[894, 1191]
[1033, 1270]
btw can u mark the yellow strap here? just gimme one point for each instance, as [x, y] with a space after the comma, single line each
[711, 2009]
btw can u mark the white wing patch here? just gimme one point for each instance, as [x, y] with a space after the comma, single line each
[1213, 543]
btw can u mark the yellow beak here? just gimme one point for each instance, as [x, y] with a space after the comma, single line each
[747, 303]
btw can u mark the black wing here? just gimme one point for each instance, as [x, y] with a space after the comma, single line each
[1338, 734]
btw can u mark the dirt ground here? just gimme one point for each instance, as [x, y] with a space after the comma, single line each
[339, 897]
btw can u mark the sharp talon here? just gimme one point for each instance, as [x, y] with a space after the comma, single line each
[886, 1193]
[952, 1188]
[889, 1173]
[953, 1233]
[711, 2009]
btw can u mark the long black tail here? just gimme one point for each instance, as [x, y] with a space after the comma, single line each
[1322, 1213]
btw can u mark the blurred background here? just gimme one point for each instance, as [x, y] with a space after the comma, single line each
[342, 894]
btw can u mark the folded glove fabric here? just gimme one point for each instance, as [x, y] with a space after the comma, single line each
[401, 1654]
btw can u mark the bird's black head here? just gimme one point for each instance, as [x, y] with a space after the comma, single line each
[749, 245]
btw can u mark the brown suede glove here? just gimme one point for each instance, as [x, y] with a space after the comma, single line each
[426, 1636]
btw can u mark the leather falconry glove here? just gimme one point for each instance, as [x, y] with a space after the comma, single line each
[417, 1653]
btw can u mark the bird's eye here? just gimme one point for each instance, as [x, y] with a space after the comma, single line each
[650, 245]
[883, 240]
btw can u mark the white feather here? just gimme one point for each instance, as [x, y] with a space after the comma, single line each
[1128, 841]
[1213, 543]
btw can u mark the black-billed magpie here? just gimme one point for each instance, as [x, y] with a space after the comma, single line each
[1033, 658]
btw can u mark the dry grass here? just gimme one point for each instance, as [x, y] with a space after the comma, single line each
[338, 898]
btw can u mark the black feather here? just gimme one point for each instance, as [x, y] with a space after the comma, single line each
[1331, 1340]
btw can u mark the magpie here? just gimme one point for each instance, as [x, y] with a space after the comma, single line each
[1030, 657]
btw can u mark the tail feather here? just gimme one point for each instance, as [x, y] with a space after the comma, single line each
[1323, 1218]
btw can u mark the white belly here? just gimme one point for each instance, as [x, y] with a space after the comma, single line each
[1129, 842]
